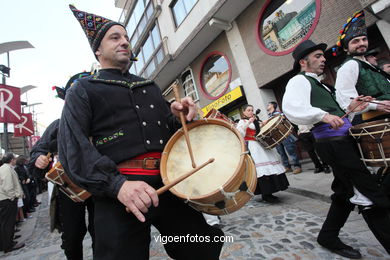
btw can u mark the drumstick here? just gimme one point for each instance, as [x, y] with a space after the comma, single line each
[183, 123]
[350, 111]
[183, 177]
[374, 102]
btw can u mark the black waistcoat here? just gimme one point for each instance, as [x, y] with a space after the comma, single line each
[129, 115]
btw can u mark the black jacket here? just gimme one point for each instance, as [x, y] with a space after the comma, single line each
[109, 118]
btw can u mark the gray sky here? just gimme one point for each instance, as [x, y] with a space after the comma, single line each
[61, 47]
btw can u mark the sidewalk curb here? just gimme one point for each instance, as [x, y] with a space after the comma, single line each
[309, 194]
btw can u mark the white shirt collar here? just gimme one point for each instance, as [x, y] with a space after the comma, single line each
[362, 58]
[313, 75]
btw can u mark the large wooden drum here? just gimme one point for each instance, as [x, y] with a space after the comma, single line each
[58, 176]
[373, 139]
[274, 132]
[221, 187]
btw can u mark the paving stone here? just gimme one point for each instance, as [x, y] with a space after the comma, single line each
[286, 230]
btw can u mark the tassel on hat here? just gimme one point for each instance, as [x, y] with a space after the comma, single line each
[354, 27]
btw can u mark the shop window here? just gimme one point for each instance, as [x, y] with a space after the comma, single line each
[181, 8]
[189, 86]
[215, 75]
[283, 24]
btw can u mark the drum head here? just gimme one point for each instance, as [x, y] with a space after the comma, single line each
[272, 122]
[209, 139]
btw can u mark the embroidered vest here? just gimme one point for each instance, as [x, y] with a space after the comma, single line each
[320, 97]
[372, 82]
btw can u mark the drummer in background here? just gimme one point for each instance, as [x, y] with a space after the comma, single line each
[357, 76]
[113, 129]
[384, 65]
[371, 57]
[67, 216]
[308, 101]
[288, 144]
[270, 172]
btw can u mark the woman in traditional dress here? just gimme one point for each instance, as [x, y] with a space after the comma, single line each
[271, 175]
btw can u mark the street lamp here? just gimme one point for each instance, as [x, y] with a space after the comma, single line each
[7, 47]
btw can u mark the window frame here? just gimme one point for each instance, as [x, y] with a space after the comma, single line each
[144, 14]
[202, 87]
[172, 4]
[259, 38]
[189, 70]
[153, 56]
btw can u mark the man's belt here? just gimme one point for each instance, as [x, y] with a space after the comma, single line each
[148, 163]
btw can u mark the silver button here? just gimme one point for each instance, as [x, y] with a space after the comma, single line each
[144, 123]
[159, 122]
[147, 141]
[151, 106]
[144, 91]
[167, 126]
[161, 141]
[137, 106]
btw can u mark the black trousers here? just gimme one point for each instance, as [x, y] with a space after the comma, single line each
[349, 171]
[120, 235]
[337, 216]
[74, 228]
[307, 140]
[8, 210]
[378, 220]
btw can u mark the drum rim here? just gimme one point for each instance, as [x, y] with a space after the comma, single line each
[179, 133]
[364, 126]
[370, 124]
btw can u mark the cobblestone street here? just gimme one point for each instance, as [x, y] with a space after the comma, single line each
[286, 230]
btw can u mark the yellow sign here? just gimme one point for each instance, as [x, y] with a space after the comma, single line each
[224, 100]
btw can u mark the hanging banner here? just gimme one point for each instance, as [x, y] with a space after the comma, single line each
[25, 127]
[10, 109]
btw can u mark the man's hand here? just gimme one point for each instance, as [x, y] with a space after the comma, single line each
[359, 103]
[187, 106]
[42, 162]
[137, 196]
[335, 121]
[383, 106]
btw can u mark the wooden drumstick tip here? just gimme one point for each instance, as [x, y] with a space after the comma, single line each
[170, 185]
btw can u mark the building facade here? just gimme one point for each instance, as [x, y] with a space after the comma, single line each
[228, 53]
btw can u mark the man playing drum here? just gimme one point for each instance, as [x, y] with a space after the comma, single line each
[65, 215]
[308, 101]
[288, 144]
[357, 76]
[113, 129]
